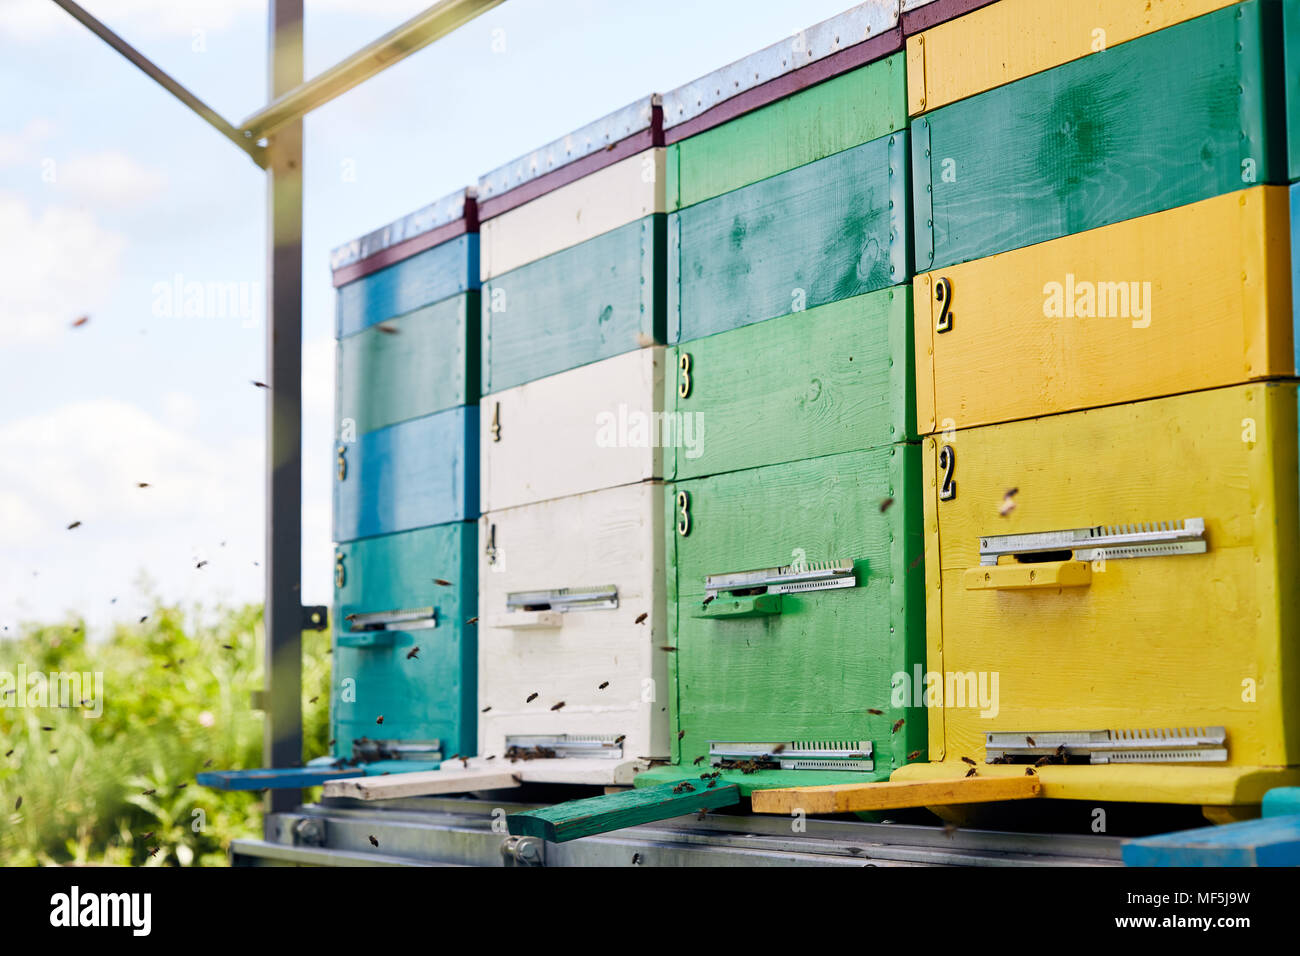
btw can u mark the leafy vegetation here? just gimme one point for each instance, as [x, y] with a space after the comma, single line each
[120, 788]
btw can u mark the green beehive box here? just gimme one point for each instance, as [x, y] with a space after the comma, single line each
[845, 111]
[803, 670]
[833, 379]
[1189, 112]
[825, 231]
[413, 365]
[591, 301]
[383, 585]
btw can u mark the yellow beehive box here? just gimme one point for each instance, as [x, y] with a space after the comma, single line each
[1071, 591]
[1192, 298]
[1012, 39]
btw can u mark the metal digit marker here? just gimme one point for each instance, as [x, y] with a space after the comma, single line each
[948, 465]
[684, 389]
[340, 576]
[683, 508]
[496, 421]
[943, 295]
[343, 463]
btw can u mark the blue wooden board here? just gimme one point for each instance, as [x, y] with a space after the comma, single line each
[433, 275]
[298, 778]
[1281, 802]
[411, 475]
[433, 695]
[821, 232]
[1272, 841]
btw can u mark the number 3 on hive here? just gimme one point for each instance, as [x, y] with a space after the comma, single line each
[684, 389]
[684, 509]
[948, 465]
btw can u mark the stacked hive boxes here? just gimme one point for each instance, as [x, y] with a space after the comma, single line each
[1106, 374]
[793, 543]
[572, 607]
[406, 489]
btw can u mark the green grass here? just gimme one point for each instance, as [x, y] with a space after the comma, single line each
[173, 699]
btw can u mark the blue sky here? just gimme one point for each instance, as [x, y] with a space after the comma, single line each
[110, 190]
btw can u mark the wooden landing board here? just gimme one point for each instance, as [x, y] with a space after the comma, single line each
[856, 797]
[614, 811]
[287, 778]
[1272, 841]
[424, 784]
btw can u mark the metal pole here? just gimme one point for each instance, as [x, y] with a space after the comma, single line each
[282, 745]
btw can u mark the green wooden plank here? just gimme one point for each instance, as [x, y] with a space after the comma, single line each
[615, 811]
[1291, 62]
[414, 365]
[747, 783]
[751, 402]
[599, 298]
[851, 109]
[814, 671]
[1171, 118]
[826, 231]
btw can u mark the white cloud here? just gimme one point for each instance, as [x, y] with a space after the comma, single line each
[58, 265]
[110, 179]
[20, 147]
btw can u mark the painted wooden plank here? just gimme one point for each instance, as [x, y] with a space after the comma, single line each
[747, 405]
[615, 811]
[861, 797]
[411, 475]
[819, 669]
[1295, 269]
[286, 778]
[849, 110]
[1270, 842]
[597, 673]
[426, 784]
[1291, 55]
[988, 47]
[1190, 298]
[411, 366]
[1142, 645]
[825, 231]
[615, 196]
[1103, 139]
[432, 695]
[439, 273]
[581, 430]
[591, 301]
[1281, 802]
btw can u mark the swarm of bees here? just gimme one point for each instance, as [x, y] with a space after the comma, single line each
[514, 754]
[684, 787]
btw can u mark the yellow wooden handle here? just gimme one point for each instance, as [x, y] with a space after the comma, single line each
[1019, 577]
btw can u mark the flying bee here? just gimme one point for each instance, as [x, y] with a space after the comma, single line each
[1029, 772]
[9, 753]
[636, 859]
[313, 700]
[1043, 761]
[379, 719]
[971, 772]
[373, 841]
[442, 583]
[208, 763]
[1060, 753]
[1030, 740]
[708, 600]
[665, 647]
[557, 706]
[149, 793]
[229, 647]
[388, 329]
[75, 524]
[260, 384]
[681, 734]
[413, 653]
[47, 728]
[885, 503]
[80, 321]
[18, 803]
[700, 759]
[181, 786]
[913, 755]
[531, 697]
[619, 739]
[969, 761]
[486, 709]
[153, 851]
[898, 725]
[472, 620]
[641, 618]
[603, 685]
[200, 565]
[872, 710]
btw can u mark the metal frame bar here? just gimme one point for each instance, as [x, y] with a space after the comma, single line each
[416, 33]
[163, 79]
